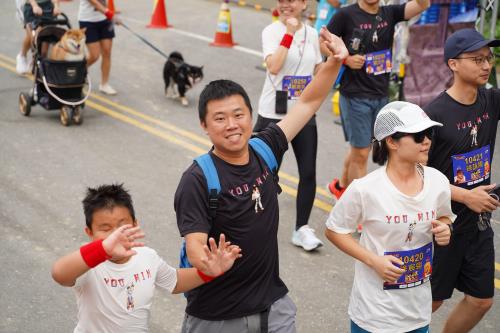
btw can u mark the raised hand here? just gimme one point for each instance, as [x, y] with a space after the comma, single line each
[385, 268]
[219, 259]
[292, 25]
[334, 44]
[119, 244]
[441, 232]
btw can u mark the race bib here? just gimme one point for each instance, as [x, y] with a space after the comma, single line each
[379, 62]
[295, 85]
[417, 264]
[472, 167]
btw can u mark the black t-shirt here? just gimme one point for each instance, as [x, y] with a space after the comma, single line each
[463, 148]
[353, 23]
[253, 283]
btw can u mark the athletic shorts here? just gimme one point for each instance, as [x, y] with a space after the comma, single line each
[97, 31]
[467, 263]
[356, 329]
[30, 18]
[280, 319]
[358, 117]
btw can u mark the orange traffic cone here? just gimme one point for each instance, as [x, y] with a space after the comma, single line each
[159, 18]
[111, 6]
[224, 32]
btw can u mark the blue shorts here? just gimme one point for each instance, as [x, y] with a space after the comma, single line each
[356, 329]
[97, 31]
[358, 116]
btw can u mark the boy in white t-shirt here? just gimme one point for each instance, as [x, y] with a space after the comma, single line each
[114, 276]
[401, 207]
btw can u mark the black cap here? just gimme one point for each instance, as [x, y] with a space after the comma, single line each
[466, 40]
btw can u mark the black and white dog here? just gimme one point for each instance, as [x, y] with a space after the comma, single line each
[180, 76]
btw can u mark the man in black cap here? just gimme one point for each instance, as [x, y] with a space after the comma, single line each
[470, 114]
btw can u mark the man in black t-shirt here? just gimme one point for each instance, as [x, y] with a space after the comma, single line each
[368, 31]
[251, 294]
[463, 150]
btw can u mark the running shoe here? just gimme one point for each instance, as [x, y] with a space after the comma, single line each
[22, 64]
[305, 238]
[332, 187]
[107, 89]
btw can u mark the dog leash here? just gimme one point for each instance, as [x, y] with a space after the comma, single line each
[144, 40]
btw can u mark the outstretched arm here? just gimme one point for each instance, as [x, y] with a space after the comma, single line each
[317, 90]
[216, 261]
[117, 246]
[415, 7]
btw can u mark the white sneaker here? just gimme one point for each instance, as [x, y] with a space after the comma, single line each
[305, 238]
[22, 65]
[107, 89]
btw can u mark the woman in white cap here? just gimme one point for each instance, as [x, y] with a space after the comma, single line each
[401, 207]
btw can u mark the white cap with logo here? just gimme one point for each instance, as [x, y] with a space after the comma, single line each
[403, 117]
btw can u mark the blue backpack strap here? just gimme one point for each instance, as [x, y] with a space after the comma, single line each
[264, 151]
[184, 262]
[207, 166]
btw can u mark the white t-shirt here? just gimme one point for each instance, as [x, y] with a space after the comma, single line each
[307, 44]
[386, 215]
[88, 13]
[117, 297]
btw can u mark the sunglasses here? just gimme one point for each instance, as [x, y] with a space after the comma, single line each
[418, 137]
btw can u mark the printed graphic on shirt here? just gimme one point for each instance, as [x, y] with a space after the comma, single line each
[379, 62]
[411, 226]
[472, 167]
[130, 296]
[245, 188]
[417, 264]
[295, 85]
[257, 198]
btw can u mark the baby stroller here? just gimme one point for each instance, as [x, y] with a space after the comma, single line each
[58, 85]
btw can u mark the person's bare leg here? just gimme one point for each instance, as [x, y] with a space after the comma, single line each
[357, 163]
[106, 45]
[436, 305]
[25, 47]
[467, 314]
[94, 53]
[343, 181]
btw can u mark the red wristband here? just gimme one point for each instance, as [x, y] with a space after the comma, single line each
[344, 61]
[287, 40]
[205, 277]
[109, 14]
[93, 253]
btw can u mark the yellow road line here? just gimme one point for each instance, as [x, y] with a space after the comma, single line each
[497, 283]
[145, 127]
[497, 266]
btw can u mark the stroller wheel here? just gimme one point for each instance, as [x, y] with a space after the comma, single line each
[77, 115]
[65, 115]
[25, 104]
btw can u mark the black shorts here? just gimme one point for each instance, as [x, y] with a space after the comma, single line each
[467, 264]
[30, 18]
[97, 31]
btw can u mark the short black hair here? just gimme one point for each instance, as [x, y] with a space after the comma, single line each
[220, 89]
[106, 197]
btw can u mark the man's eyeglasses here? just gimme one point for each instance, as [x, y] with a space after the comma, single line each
[479, 60]
[418, 137]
